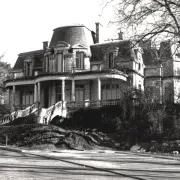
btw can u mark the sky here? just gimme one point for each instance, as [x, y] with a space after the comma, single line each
[25, 24]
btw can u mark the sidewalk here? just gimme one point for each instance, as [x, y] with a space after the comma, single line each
[49, 153]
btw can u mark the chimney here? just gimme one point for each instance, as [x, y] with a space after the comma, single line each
[120, 35]
[97, 32]
[45, 45]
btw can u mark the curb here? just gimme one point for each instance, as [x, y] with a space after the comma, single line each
[11, 149]
[150, 155]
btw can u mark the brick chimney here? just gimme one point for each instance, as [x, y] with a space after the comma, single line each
[120, 35]
[98, 32]
[45, 45]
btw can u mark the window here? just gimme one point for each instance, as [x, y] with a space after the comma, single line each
[58, 93]
[68, 93]
[80, 60]
[79, 92]
[111, 60]
[136, 53]
[60, 63]
[139, 66]
[110, 91]
[28, 68]
[27, 98]
[47, 64]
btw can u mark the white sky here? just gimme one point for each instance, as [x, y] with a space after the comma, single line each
[25, 24]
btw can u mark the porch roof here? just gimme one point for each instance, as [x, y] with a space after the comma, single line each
[114, 74]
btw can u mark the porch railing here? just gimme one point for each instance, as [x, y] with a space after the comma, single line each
[93, 104]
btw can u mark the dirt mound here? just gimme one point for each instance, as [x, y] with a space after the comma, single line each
[50, 137]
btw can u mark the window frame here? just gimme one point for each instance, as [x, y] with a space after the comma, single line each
[78, 89]
[26, 97]
[58, 92]
[80, 56]
[28, 68]
[107, 91]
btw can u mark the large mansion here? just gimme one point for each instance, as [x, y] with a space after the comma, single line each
[77, 70]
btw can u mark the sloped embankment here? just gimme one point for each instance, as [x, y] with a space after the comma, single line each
[49, 137]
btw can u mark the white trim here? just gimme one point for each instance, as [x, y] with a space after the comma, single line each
[20, 83]
[16, 70]
[60, 77]
[79, 46]
[51, 78]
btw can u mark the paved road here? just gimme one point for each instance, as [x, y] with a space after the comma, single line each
[85, 165]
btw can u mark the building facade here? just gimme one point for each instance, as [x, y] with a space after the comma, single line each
[162, 72]
[76, 70]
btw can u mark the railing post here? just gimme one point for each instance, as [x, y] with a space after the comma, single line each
[35, 92]
[13, 97]
[39, 92]
[73, 91]
[6, 140]
[99, 89]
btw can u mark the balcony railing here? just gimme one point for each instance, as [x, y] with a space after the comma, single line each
[92, 104]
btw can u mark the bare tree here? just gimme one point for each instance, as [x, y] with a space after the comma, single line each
[148, 19]
[1, 56]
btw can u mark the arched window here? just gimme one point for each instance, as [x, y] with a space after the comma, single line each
[80, 60]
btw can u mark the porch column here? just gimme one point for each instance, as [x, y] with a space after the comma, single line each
[63, 90]
[39, 92]
[13, 95]
[99, 89]
[73, 91]
[35, 92]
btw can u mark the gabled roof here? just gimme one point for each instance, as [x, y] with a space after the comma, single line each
[37, 55]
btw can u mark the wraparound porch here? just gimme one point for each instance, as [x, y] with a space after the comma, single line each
[49, 90]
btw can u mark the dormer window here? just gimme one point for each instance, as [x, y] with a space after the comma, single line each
[28, 68]
[111, 60]
[80, 60]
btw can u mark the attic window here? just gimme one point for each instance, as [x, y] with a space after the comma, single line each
[28, 68]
